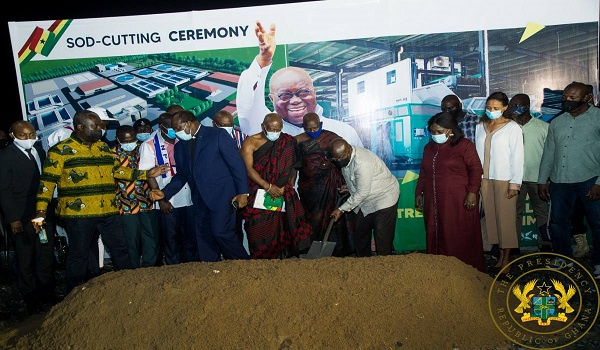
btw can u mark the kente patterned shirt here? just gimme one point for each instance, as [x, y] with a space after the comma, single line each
[85, 177]
[132, 195]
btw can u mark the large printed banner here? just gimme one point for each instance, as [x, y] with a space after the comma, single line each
[378, 69]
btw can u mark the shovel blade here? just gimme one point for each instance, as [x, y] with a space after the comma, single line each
[320, 249]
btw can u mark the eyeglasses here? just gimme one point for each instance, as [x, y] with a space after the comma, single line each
[286, 96]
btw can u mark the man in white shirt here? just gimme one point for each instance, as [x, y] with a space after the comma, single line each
[291, 90]
[176, 215]
[374, 194]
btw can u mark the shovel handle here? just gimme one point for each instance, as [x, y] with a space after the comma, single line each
[326, 236]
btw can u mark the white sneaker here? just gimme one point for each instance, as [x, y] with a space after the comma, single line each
[559, 264]
[597, 272]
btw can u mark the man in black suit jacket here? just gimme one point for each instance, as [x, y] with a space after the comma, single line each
[19, 183]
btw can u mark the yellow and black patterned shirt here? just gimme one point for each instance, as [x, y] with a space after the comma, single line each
[85, 176]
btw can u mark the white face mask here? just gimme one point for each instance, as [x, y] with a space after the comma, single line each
[229, 129]
[440, 138]
[128, 147]
[25, 144]
[182, 135]
[273, 135]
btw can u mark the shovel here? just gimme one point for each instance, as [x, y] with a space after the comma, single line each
[321, 249]
[324, 248]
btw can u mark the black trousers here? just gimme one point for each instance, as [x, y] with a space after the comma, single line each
[82, 259]
[178, 238]
[382, 225]
[34, 264]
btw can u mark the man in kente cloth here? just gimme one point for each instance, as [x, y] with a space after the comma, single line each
[318, 185]
[270, 158]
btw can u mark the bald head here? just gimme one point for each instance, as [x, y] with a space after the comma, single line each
[272, 122]
[287, 74]
[223, 119]
[174, 109]
[451, 104]
[339, 148]
[311, 118]
[20, 125]
[293, 94]
[520, 100]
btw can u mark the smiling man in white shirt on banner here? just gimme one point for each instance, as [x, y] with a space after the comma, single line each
[291, 90]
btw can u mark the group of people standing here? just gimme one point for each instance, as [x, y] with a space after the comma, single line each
[188, 192]
[485, 167]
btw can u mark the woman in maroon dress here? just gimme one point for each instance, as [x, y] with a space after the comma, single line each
[447, 191]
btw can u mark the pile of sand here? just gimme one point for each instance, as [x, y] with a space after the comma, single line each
[413, 301]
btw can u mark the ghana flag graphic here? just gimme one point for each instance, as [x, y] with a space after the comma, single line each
[42, 40]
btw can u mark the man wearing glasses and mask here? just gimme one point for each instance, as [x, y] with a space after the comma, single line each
[291, 90]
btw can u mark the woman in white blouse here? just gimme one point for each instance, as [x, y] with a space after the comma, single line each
[499, 143]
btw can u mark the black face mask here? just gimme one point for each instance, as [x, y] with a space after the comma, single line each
[569, 106]
[3, 143]
[342, 162]
[455, 112]
[94, 136]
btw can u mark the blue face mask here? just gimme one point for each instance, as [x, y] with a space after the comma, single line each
[128, 147]
[315, 134]
[493, 115]
[518, 110]
[170, 133]
[143, 136]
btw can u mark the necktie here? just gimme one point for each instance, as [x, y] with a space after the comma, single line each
[32, 159]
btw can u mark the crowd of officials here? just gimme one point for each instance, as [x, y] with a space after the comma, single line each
[184, 192]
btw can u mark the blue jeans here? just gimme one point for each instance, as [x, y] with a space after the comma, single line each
[564, 196]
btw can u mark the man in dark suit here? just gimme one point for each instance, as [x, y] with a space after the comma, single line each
[209, 161]
[19, 183]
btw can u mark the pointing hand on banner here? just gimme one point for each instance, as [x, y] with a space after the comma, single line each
[266, 43]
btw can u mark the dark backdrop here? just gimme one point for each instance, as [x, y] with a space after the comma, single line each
[59, 9]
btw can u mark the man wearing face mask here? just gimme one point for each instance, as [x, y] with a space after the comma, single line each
[64, 132]
[224, 120]
[318, 184]
[466, 121]
[143, 129]
[137, 215]
[84, 170]
[534, 136]
[175, 216]
[570, 167]
[271, 162]
[374, 193]
[19, 182]
[210, 163]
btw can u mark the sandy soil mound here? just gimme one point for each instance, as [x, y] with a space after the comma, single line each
[413, 301]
